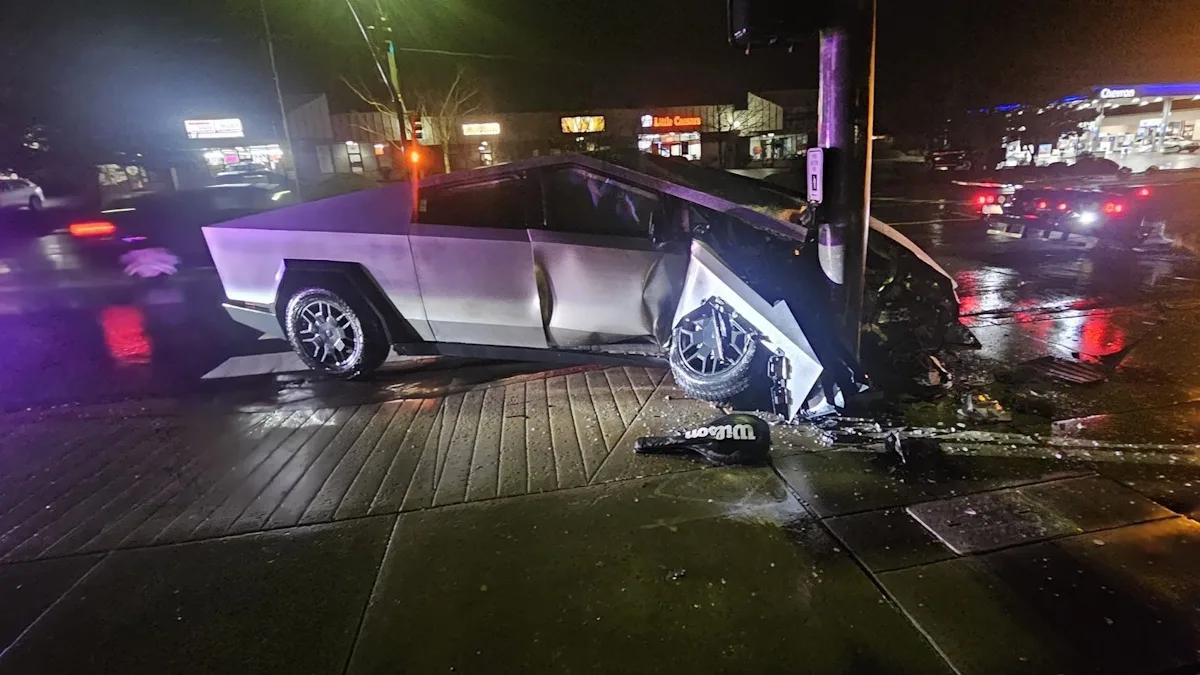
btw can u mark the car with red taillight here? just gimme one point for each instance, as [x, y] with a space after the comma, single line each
[158, 233]
[1126, 215]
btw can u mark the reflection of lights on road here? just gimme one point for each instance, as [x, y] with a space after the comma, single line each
[125, 335]
[1101, 335]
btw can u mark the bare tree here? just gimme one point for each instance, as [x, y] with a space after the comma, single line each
[392, 131]
[731, 122]
[443, 110]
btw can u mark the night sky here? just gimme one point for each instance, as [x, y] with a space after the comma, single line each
[134, 68]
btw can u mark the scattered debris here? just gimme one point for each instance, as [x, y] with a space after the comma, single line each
[983, 408]
[1033, 403]
[936, 374]
[739, 438]
[913, 450]
[676, 574]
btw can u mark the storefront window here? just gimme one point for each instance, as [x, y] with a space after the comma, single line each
[778, 146]
[686, 144]
[266, 157]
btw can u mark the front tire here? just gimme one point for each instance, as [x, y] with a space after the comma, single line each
[712, 351]
[35, 203]
[336, 333]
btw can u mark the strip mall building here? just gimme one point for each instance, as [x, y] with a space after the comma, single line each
[767, 127]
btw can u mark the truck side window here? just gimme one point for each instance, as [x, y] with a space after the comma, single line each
[496, 204]
[582, 202]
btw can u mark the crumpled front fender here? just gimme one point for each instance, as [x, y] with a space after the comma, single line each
[709, 277]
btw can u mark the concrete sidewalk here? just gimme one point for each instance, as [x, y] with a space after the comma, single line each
[506, 527]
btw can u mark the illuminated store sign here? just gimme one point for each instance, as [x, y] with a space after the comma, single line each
[670, 121]
[482, 129]
[228, 128]
[1107, 93]
[587, 124]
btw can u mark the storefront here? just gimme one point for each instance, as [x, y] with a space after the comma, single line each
[485, 133]
[778, 146]
[268, 157]
[671, 135]
[223, 146]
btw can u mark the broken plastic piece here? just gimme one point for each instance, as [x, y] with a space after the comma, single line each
[983, 408]
[913, 450]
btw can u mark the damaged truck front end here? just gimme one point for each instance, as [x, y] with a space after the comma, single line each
[757, 326]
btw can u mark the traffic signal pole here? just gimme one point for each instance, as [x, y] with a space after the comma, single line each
[845, 114]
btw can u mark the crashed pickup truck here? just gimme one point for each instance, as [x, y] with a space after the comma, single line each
[625, 257]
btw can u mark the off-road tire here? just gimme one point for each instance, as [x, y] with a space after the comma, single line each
[371, 348]
[717, 387]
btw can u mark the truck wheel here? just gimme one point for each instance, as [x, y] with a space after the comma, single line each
[712, 350]
[336, 333]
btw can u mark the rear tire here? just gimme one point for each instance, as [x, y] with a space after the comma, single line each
[35, 203]
[336, 332]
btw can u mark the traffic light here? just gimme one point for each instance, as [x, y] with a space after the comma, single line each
[414, 157]
[418, 129]
[763, 23]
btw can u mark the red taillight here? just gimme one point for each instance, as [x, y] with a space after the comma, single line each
[1062, 206]
[99, 228]
[1042, 205]
[1145, 192]
[991, 199]
[982, 200]
[1114, 207]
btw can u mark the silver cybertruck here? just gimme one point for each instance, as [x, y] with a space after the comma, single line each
[573, 258]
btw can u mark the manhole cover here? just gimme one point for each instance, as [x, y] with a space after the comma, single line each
[989, 521]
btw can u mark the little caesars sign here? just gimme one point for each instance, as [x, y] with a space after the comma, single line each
[1107, 93]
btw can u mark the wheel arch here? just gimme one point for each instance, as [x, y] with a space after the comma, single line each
[298, 274]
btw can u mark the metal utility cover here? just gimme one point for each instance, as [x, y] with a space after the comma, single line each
[1067, 371]
[989, 521]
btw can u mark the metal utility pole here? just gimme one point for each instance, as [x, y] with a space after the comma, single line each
[391, 79]
[287, 132]
[845, 128]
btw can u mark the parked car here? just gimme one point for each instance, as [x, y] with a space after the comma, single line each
[1124, 215]
[1180, 144]
[158, 233]
[950, 160]
[576, 258]
[19, 193]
